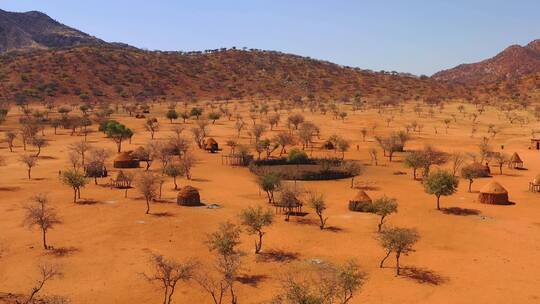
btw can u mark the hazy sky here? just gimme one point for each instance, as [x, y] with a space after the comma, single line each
[417, 36]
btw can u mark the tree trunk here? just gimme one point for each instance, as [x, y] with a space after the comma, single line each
[470, 185]
[258, 245]
[44, 239]
[397, 262]
[380, 224]
[29, 172]
[438, 200]
[147, 206]
[74, 195]
[384, 259]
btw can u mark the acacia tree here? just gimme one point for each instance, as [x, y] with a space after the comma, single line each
[284, 139]
[47, 272]
[174, 170]
[317, 203]
[224, 242]
[147, 184]
[397, 240]
[384, 206]
[256, 219]
[472, 171]
[440, 183]
[76, 180]
[30, 161]
[10, 137]
[413, 160]
[80, 148]
[38, 213]
[168, 272]
[152, 126]
[39, 142]
[325, 283]
[501, 159]
[269, 182]
[117, 132]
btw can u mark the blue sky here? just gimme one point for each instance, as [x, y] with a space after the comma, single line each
[417, 36]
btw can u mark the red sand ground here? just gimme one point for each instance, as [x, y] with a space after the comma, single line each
[486, 258]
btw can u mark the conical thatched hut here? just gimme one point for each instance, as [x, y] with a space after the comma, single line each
[211, 145]
[493, 193]
[126, 160]
[534, 186]
[188, 196]
[515, 161]
[361, 202]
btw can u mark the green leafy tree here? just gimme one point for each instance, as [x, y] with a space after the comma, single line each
[384, 206]
[397, 240]
[440, 183]
[76, 180]
[255, 219]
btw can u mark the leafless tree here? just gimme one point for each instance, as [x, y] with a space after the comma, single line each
[30, 161]
[81, 148]
[147, 184]
[47, 272]
[167, 273]
[39, 213]
[10, 137]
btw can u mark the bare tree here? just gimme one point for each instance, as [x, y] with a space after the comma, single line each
[152, 126]
[39, 142]
[317, 203]
[38, 213]
[147, 184]
[168, 272]
[10, 137]
[47, 272]
[81, 148]
[30, 161]
[188, 162]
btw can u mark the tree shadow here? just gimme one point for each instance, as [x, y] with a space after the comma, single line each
[252, 280]
[10, 189]
[47, 157]
[423, 276]
[88, 201]
[307, 221]
[201, 180]
[62, 251]
[277, 255]
[162, 214]
[333, 229]
[460, 211]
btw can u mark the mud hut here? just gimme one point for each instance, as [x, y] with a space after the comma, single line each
[126, 160]
[361, 202]
[188, 196]
[211, 145]
[534, 186]
[515, 162]
[493, 193]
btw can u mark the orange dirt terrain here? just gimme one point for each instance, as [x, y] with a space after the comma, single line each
[467, 252]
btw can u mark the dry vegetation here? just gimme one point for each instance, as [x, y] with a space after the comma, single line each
[258, 238]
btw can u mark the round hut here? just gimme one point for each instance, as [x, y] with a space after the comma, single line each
[188, 196]
[126, 160]
[211, 145]
[515, 161]
[493, 193]
[534, 186]
[361, 202]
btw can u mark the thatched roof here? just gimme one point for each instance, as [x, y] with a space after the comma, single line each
[124, 156]
[188, 196]
[493, 188]
[515, 158]
[361, 196]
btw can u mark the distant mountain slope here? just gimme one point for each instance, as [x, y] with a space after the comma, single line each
[35, 30]
[514, 62]
[109, 72]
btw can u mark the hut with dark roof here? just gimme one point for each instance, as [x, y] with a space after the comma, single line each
[126, 160]
[493, 193]
[188, 196]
